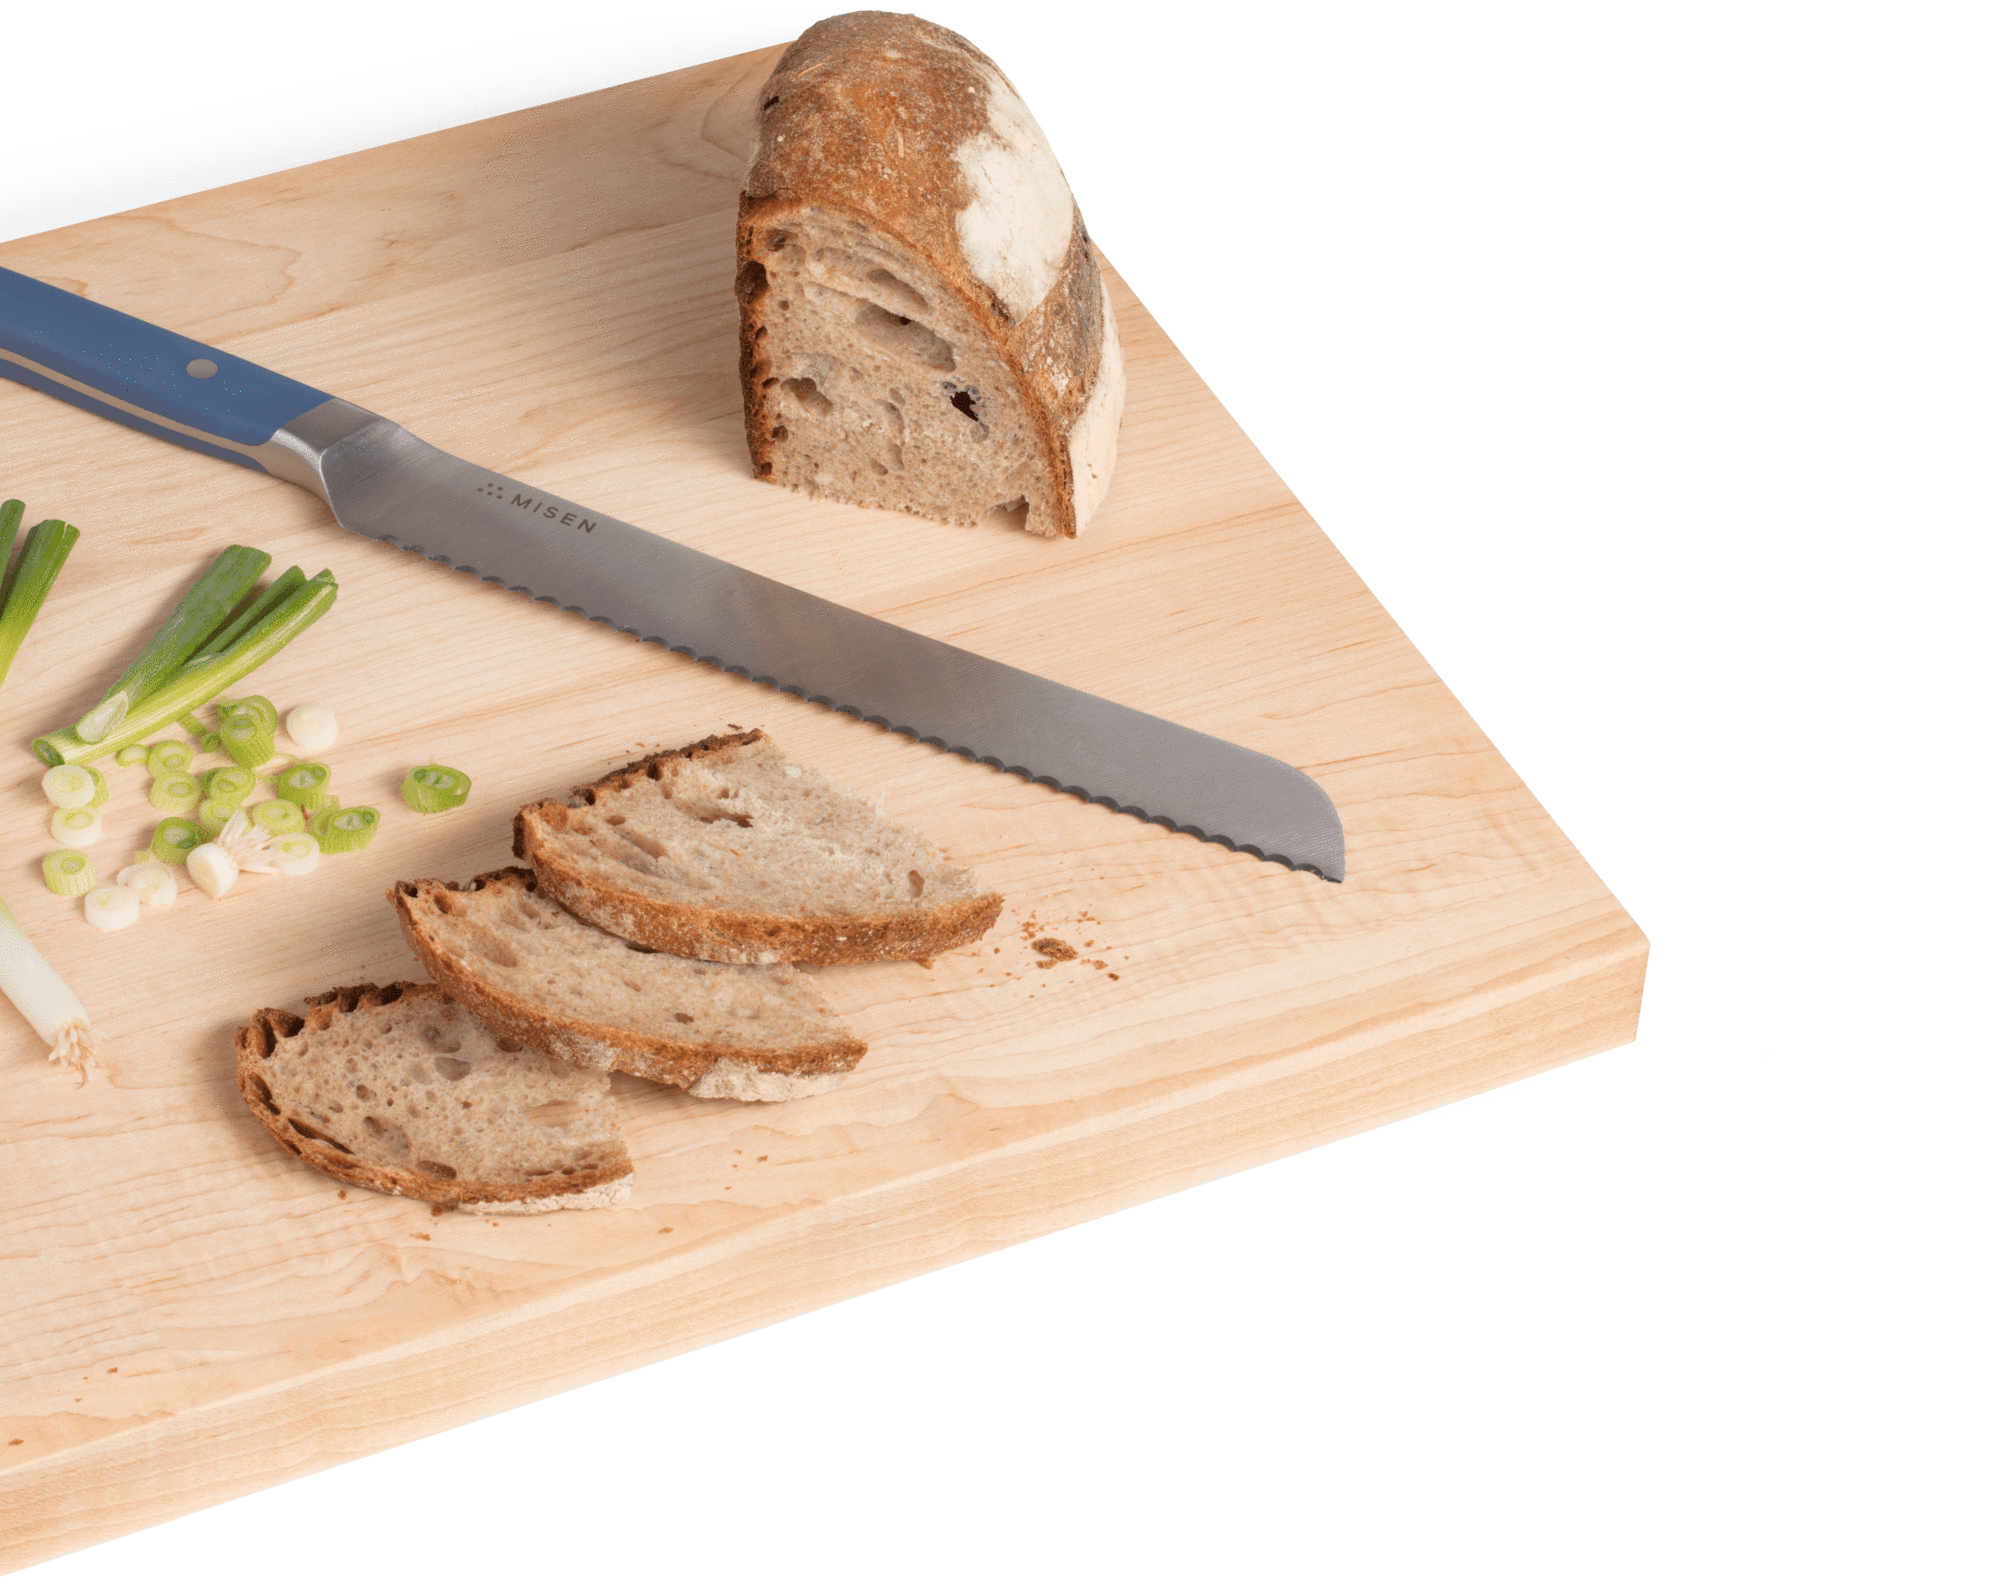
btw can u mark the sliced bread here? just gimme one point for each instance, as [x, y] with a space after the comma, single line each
[400, 1089]
[531, 971]
[923, 322]
[725, 852]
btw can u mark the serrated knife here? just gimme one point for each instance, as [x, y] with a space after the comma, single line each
[383, 482]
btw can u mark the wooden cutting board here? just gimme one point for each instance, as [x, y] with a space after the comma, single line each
[186, 1314]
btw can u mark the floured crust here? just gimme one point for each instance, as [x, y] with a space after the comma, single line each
[908, 134]
[703, 1062]
[605, 1183]
[546, 837]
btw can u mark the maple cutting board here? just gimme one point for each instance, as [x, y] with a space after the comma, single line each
[187, 1314]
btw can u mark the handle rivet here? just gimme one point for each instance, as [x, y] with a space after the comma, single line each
[201, 369]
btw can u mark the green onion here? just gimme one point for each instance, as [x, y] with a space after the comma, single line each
[175, 793]
[295, 854]
[128, 756]
[253, 612]
[202, 613]
[433, 788]
[248, 740]
[67, 873]
[279, 816]
[192, 687]
[308, 784]
[192, 725]
[40, 995]
[76, 826]
[167, 757]
[36, 989]
[258, 707]
[31, 570]
[312, 727]
[174, 838]
[212, 741]
[345, 829]
[69, 786]
[152, 882]
[230, 784]
[213, 814]
[111, 907]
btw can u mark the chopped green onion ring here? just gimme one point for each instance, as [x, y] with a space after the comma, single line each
[308, 784]
[169, 757]
[68, 873]
[76, 826]
[230, 783]
[133, 754]
[279, 816]
[174, 838]
[70, 785]
[213, 815]
[175, 793]
[345, 829]
[433, 788]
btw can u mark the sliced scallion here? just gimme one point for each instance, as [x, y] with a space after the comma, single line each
[167, 757]
[76, 826]
[175, 793]
[211, 741]
[192, 725]
[212, 868]
[68, 873]
[230, 783]
[312, 727]
[295, 854]
[345, 829]
[128, 756]
[111, 907]
[153, 882]
[433, 788]
[202, 613]
[174, 838]
[247, 740]
[213, 814]
[308, 784]
[279, 816]
[70, 786]
[258, 707]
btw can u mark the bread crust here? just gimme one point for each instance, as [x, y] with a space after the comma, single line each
[600, 1046]
[866, 117]
[710, 935]
[254, 1044]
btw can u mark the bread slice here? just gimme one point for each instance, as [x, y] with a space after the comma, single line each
[923, 322]
[725, 852]
[529, 970]
[399, 1089]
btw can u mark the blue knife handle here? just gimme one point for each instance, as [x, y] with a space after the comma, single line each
[142, 375]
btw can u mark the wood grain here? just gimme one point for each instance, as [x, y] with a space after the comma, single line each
[187, 1315]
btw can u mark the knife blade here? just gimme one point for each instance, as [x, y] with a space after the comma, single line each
[383, 482]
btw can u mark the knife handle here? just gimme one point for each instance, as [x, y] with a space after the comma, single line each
[142, 375]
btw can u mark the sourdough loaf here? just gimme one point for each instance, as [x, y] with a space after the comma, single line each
[924, 323]
[399, 1089]
[531, 971]
[725, 852]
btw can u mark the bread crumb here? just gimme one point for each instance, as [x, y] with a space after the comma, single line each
[426, 1237]
[763, 1158]
[440, 1210]
[666, 1229]
[1055, 950]
[1111, 975]
[343, 1193]
[15, 1442]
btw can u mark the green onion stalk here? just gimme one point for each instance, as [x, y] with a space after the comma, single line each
[36, 989]
[202, 681]
[207, 610]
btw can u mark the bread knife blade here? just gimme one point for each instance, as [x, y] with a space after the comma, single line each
[382, 482]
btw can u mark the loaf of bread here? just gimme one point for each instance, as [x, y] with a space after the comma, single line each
[725, 852]
[399, 1089]
[924, 323]
[531, 971]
